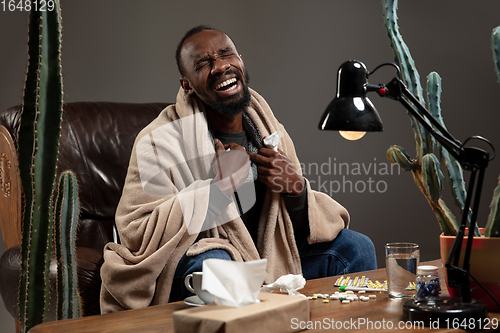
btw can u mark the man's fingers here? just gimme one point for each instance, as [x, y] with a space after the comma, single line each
[218, 145]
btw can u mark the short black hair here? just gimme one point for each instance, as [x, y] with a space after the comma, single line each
[190, 33]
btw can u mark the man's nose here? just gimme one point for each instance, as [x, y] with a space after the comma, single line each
[219, 66]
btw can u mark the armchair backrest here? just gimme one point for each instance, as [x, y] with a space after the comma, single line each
[96, 143]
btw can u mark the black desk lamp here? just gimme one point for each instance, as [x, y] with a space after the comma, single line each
[350, 111]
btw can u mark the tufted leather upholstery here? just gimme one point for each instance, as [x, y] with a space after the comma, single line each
[96, 142]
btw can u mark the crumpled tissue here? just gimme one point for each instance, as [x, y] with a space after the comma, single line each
[233, 283]
[272, 140]
[287, 283]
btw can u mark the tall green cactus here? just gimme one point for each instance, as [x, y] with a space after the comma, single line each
[493, 223]
[67, 214]
[425, 167]
[38, 148]
[424, 141]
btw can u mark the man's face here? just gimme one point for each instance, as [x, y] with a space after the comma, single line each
[215, 72]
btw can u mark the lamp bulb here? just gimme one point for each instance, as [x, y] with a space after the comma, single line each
[352, 135]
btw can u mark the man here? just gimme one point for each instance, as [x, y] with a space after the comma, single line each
[202, 185]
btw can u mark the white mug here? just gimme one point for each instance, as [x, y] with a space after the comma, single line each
[197, 277]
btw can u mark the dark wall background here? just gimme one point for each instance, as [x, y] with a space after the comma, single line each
[124, 51]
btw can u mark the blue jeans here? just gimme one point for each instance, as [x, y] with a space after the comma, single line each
[349, 252]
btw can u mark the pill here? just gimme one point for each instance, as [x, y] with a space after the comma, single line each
[349, 292]
[362, 292]
[314, 297]
[334, 297]
[356, 280]
[373, 296]
[325, 301]
[309, 297]
[365, 299]
[339, 280]
[346, 301]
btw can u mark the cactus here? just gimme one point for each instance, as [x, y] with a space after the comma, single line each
[452, 169]
[493, 224]
[495, 47]
[432, 177]
[425, 167]
[69, 303]
[424, 140]
[38, 148]
[399, 156]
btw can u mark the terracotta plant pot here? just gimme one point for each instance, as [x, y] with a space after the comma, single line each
[484, 266]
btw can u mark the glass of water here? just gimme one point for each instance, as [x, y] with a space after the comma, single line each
[401, 260]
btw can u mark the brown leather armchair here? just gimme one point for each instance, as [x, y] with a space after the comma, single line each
[96, 142]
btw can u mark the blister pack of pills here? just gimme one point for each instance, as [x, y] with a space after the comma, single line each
[360, 281]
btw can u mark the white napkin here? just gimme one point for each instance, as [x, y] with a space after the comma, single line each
[233, 283]
[272, 140]
[289, 283]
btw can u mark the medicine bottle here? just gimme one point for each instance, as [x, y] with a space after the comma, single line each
[427, 283]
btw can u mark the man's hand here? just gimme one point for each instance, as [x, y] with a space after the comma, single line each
[277, 171]
[232, 166]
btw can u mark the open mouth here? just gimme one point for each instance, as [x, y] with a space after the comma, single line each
[227, 85]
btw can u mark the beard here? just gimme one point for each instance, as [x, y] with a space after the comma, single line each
[236, 106]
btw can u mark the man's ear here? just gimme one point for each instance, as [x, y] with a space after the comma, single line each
[186, 85]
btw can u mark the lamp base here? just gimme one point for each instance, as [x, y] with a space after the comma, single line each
[443, 311]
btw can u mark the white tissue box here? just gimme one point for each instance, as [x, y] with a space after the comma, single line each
[273, 314]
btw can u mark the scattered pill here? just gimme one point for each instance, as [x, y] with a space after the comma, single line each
[346, 301]
[365, 298]
[349, 292]
[314, 297]
[362, 292]
[334, 297]
[325, 301]
[309, 297]
[373, 296]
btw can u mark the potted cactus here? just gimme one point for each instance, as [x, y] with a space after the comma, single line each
[38, 144]
[430, 170]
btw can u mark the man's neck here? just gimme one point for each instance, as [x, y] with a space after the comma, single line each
[224, 123]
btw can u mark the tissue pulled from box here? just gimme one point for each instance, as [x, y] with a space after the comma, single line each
[272, 140]
[234, 283]
[287, 283]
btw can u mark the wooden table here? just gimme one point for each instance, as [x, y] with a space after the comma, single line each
[381, 314]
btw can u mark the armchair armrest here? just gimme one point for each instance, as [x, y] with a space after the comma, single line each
[10, 191]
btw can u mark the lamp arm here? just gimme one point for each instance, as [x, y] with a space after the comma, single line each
[397, 90]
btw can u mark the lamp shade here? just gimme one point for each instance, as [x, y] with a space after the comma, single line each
[351, 110]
